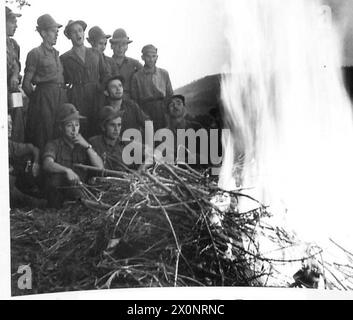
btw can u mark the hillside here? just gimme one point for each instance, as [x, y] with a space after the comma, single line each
[202, 95]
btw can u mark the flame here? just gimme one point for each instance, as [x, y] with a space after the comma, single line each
[289, 114]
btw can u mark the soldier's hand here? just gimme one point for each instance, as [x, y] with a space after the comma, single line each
[14, 83]
[35, 169]
[144, 167]
[72, 176]
[80, 141]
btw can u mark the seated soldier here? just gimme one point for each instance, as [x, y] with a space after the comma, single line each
[60, 156]
[176, 112]
[133, 116]
[176, 119]
[17, 154]
[109, 145]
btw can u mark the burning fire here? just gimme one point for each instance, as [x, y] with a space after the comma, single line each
[290, 116]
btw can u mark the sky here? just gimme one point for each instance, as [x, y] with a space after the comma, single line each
[188, 33]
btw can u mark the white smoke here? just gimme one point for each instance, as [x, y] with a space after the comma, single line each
[286, 102]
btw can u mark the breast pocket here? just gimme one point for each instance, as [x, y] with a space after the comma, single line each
[48, 66]
[65, 159]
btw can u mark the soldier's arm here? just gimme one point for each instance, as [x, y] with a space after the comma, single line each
[93, 156]
[49, 165]
[169, 88]
[134, 89]
[104, 73]
[15, 77]
[31, 66]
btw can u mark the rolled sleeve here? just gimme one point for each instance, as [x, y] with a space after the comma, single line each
[141, 116]
[50, 151]
[32, 61]
[17, 149]
[169, 88]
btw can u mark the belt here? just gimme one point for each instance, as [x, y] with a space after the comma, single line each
[152, 100]
[82, 83]
[56, 84]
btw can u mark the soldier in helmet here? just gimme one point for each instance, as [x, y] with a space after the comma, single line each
[98, 40]
[60, 155]
[86, 73]
[44, 84]
[108, 144]
[13, 51]
[13, 73]
[121, 65]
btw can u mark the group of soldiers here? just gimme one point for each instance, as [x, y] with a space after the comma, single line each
[80, 102]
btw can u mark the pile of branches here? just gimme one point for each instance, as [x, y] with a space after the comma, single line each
[165, 226]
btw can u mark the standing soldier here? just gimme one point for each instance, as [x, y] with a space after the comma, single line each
[85, 73]
[151, 87]
[44, 71]
[98, 40]
[121, 64]
[13, 72]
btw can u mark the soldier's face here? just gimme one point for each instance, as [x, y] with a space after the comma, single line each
[113, 129]
[11, 26]
[101, 45]
[77, 35]
[176, 108]
[150, 59]
[51, 35]
[115, 90]
[120, 48]
[71, 129]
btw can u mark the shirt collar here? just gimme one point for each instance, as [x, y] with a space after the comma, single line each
[177, 123]
[110, 143]
[149, 71]
[66, 142]
[122, 106]
[125, 60]
[47, 49]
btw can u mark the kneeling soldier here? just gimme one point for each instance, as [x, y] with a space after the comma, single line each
[60, 156]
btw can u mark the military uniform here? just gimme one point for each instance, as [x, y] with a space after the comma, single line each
[17, 152]
[48, 96]
[151, 89]
[58, 188]
[14, 65]
[86, 81]
[126, 69]
[133, 117]
[111, 153]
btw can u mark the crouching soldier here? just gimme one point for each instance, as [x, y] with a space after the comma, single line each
[60, 155]
[18, 152]
[109, 145]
